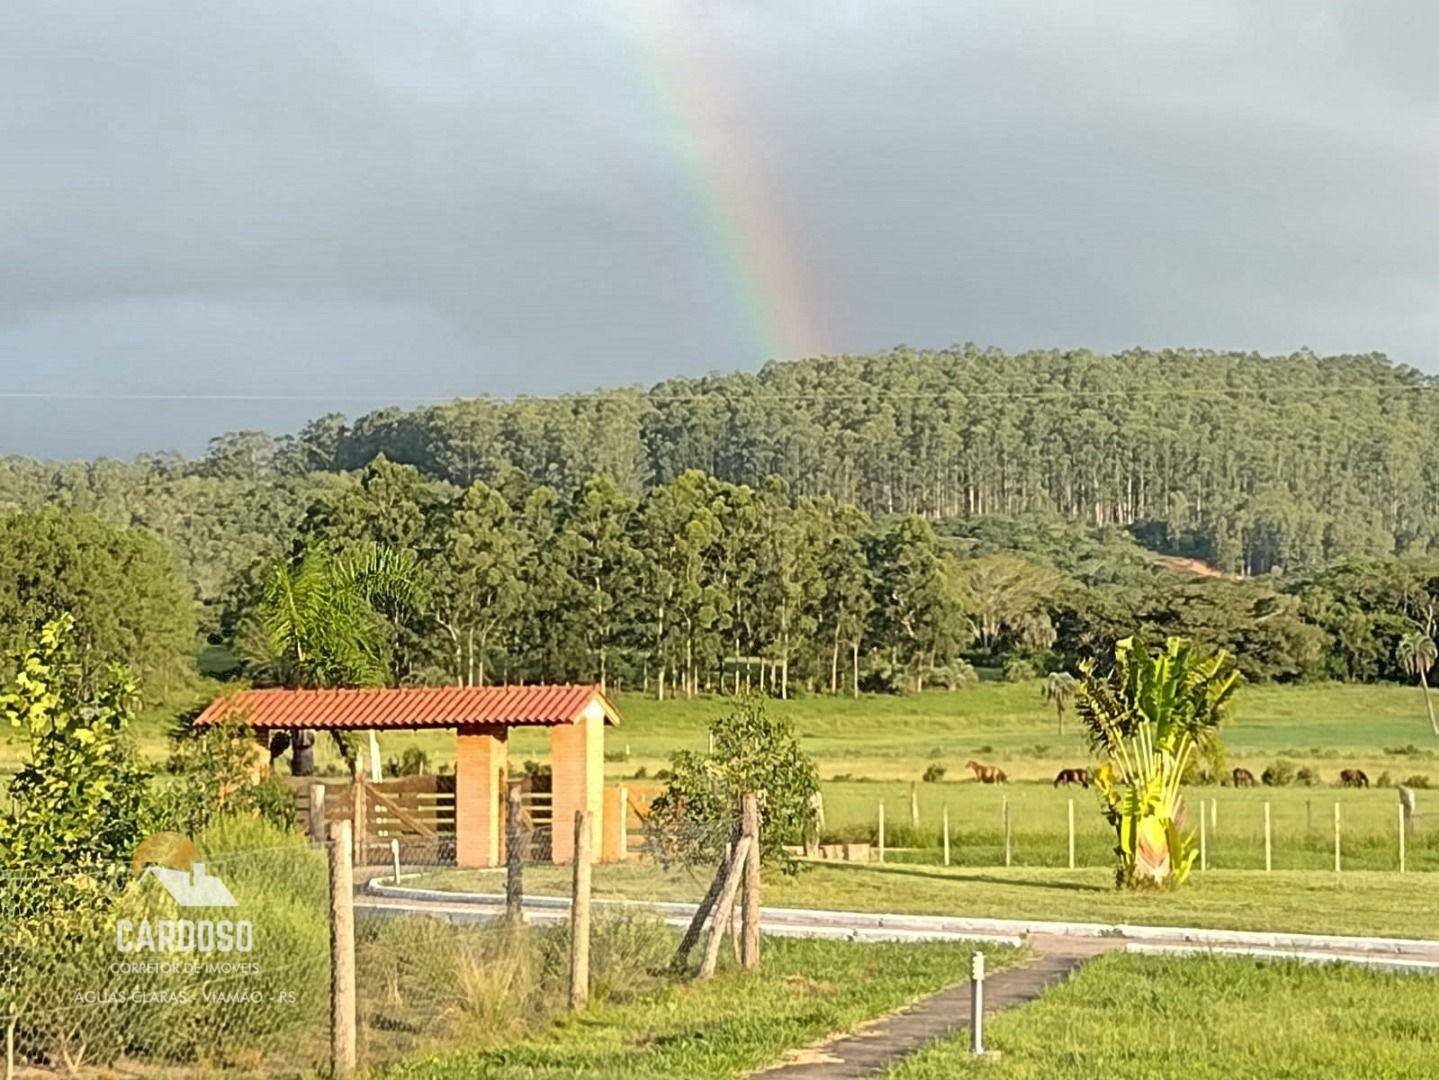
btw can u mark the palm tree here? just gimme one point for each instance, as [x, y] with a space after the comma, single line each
[1149, 716]
[1059, 688]
[1416, 654]
[318, 625]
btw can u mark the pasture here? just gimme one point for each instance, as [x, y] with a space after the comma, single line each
[1131, 1016]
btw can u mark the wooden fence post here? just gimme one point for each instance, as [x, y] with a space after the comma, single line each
[514, 855]
[945, 815]
[1006, 831]
[357, 812]
[749, 954]
[1401, 838]
[1336, 839]
[724, 906]
[881, 830]
[317, 813]
[1268, 843]
[343, 1029]
[914, 804]
[580, 913]
[1071, 834]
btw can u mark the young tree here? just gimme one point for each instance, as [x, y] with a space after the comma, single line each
[848, 598]
[1149, 715]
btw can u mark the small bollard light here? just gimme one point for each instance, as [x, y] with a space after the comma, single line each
[976, 1004]
[395, 854]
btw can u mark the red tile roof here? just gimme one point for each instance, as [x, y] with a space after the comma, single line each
[409, 707]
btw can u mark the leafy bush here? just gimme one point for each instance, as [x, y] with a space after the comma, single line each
[693, 819]
[1280, 774]
[933, 773]
[1306, 777]
[79, 799]
[1385, 780]
[954, 675]
[413, 762]
[1019, 669]
[1403, 751]
[1418, 780]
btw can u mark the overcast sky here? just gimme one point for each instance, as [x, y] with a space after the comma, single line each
[342, 204]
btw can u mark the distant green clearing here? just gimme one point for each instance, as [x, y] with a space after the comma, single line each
[1327, 726]
[1361, 903]
[1141, 1017]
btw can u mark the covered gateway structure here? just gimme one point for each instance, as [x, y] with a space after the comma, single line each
[482, 717]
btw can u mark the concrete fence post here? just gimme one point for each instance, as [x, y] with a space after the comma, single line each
[343, 1028]
[914, 804]
[395, 856]
[1071, 834]
[1203, 839]
[515, 843]
[944, 815]
[1268, 843]
[1401, 838]
[976, 1004]
[1336, 839]
[1007, 852]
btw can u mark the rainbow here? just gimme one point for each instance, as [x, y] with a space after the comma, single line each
[757, 272]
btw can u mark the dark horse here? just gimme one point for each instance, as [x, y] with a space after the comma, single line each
[987, 774]
[1072, 776]
[1243, 778]
[1353, 778]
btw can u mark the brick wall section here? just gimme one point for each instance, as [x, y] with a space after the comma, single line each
[481, 756]
[577, 757]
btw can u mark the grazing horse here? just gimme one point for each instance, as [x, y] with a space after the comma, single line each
[1243, 778]
[1353, 778]
[987, 774]
[1072, 776]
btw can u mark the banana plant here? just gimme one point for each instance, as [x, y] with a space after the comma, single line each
[1148, 716]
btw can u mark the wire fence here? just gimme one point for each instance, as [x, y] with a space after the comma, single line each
[221, 967]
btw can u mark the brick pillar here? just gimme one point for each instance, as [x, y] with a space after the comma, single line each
[480, 765]
[577, 760]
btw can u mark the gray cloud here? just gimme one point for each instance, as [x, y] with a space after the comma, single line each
[371, 199]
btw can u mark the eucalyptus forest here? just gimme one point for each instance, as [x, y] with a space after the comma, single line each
[879, 522]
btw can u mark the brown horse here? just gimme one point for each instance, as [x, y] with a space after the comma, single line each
[1243, 778]
[1353, 778]
[987, 774]
[1072, 776]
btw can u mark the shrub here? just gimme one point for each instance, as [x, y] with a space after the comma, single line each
[1306, 777]
[1019, 669]
[955, 674]
[1280, 774]
[1418, 780]
[1402, 751]
[933, 774]
[413, 762]
[1385, 780]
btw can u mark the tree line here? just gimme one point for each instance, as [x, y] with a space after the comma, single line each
[697, 585]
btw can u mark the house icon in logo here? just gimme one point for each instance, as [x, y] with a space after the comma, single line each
[192, 887]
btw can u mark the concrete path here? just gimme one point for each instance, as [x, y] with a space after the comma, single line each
[885, 1042]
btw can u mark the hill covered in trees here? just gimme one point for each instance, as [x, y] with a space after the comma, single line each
[1248, 462]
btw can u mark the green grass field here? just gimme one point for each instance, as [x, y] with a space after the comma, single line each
[1142, 1017]
[726, 1027]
